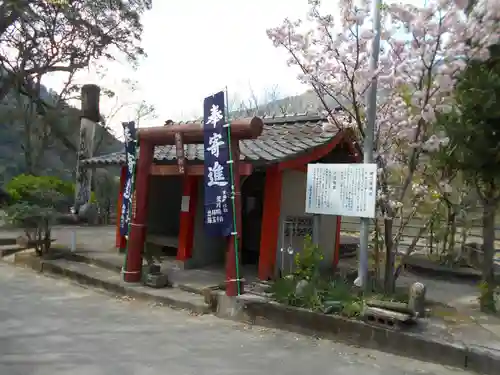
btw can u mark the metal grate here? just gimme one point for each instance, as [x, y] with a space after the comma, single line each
[298, 226]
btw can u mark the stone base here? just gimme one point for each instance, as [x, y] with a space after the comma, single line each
[156, 280]
[230, 307]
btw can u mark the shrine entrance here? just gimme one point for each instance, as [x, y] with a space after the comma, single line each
[163, 228]
[179, 135]
[252, 192]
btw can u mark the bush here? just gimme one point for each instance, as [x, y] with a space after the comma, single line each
[22, 188]
[307, 289]
[328, 296]
[307, 262]
[25, 188]
[36, 203]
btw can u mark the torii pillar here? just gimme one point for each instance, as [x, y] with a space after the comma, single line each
[192, 133]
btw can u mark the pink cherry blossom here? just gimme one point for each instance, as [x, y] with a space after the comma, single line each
[423, 50]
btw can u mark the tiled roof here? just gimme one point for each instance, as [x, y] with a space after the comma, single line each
[283, 137]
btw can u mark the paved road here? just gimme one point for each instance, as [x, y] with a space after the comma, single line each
[52, 327]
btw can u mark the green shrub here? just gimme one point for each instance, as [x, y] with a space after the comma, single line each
[22, 187]
[36, 203]
[307, 261]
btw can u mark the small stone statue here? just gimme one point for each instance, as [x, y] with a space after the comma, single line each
[416, 300]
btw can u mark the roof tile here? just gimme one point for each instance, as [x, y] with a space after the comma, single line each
[284, 136]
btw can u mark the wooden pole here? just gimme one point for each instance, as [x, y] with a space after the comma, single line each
[232, 262]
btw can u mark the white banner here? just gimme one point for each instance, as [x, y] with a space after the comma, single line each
[341, 189]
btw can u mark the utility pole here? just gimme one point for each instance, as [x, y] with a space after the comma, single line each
[369, 144]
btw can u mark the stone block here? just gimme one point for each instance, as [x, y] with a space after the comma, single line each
[386, 318]
[156, 281]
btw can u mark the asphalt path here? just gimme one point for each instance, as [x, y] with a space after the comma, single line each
[51, 327]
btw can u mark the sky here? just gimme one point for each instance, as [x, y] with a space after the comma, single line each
[196, 48]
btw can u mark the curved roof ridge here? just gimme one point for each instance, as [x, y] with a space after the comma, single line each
[285, 136]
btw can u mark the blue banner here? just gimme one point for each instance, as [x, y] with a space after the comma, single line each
[218, 189]
[128, 189]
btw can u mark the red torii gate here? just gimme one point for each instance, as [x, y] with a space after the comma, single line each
[191, 133]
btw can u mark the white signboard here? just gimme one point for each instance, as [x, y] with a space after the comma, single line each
[341, 189]
[185, 203]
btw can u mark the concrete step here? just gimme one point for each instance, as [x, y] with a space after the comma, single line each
[10, 249]
[114, 267]
[111, 281]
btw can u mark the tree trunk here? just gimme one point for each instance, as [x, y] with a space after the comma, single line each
[487, 299]
[46, 236]
[5, 87]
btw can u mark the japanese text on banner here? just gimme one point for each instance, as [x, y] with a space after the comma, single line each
[130, 155]
[218, 186]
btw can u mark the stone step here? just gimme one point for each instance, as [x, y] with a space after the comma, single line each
[6, 241]
[111, 281]
[6, 250]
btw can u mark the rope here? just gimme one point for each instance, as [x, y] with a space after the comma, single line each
[129, 272]
[233, 280]
[231, 173]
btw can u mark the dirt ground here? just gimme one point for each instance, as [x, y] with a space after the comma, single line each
[92, 237]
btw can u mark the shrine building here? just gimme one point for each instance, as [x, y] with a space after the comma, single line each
[273, 192]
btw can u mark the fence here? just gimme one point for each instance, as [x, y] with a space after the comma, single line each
[411, 230]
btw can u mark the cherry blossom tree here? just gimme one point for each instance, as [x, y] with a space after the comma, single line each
[423, 51]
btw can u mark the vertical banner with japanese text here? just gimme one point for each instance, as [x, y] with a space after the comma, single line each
[129, 131]
[218, 208]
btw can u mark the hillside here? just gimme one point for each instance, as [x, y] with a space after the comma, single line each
[48, 146]
[57, 155]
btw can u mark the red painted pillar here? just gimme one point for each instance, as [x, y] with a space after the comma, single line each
[231, 259]
[270, 222]
[187, 218]
[121, 242]
[137, 235]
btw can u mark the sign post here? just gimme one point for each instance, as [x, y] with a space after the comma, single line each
[89, 118]
[342, 190]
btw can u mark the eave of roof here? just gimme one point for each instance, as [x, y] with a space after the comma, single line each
[284, 137]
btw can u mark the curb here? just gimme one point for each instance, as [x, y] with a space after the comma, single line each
[427, 268]
[8, 241]
[405, 343]
[48, 267]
